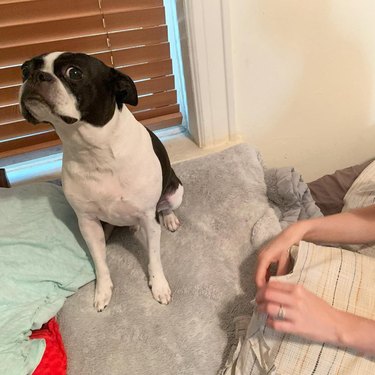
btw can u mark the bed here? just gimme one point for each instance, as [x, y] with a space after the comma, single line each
[233, 204]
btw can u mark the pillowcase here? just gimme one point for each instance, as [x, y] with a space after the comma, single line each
[345, 280]
[328, 191]
[362, 194]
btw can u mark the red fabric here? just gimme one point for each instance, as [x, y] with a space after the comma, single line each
[54, 358]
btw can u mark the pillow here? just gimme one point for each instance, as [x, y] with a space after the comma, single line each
[344, 279]
[43, 260]
[362, 194]
[362, 191]
[329, 190]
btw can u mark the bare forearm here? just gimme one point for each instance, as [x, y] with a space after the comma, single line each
[355, 332]
[357, 226]
[354, 227]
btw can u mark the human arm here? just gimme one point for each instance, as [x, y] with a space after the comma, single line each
[357, 226]
[309, 316]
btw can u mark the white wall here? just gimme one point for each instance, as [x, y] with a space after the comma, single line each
[303, 80]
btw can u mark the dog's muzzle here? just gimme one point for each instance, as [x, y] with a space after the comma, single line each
[32, 97]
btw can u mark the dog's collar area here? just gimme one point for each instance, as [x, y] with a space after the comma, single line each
[67, 119]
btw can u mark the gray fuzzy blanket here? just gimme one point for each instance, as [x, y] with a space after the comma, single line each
[289, 195]
[209, 263]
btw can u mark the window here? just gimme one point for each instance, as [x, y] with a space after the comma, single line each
[129, 35]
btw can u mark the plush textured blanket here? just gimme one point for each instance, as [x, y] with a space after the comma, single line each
[209, 263]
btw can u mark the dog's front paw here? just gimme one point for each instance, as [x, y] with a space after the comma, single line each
[160, 289]
[103, 294]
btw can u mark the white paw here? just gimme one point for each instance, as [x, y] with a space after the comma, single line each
[171, 221]
[160, 289]
[103, 294]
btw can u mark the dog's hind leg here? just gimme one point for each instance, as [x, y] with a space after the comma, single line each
[168, 203]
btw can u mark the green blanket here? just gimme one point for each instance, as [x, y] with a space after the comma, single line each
[43, 260]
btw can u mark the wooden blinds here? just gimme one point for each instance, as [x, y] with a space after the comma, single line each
[130, 35]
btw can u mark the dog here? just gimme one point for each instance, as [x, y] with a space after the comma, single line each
[114, 169]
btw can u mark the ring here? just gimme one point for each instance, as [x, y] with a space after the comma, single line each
[281, 314]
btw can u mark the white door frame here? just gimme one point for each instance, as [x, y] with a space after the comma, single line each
[206, 54]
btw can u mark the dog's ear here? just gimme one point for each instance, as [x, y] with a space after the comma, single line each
[124, 88]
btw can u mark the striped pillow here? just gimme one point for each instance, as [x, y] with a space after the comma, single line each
[362, 194]
[344, 279]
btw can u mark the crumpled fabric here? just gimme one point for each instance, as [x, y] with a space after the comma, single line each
[289, 196]
[290, 200]
[54, 361]
[251, 350]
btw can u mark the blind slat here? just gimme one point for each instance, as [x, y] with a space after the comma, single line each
[10, 76]
[9, 113]
[157, 112]
[9, 95]
[17, 129]
[148, 70]
[155, 85]
[155, 100]
[163, 121]
[140, 18]
[139, 55]
[27, 144]
[119, 5]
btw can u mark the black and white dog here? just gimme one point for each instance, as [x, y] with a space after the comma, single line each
[114, 170]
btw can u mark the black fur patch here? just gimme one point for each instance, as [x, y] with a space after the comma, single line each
[170, 180]
[100, 89]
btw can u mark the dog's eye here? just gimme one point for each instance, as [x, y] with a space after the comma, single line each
[74, 73]
[25, 72]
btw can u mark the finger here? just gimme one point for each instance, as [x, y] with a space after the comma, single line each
[261, 271]
[275, 296]
[273, 310]
[282, 286]
[283, 265]
[268, 274]
[286, 326]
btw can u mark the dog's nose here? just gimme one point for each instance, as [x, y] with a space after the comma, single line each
[40, 76]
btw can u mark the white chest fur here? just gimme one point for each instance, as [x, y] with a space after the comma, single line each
[110, 173]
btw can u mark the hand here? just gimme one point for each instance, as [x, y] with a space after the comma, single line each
[305, 314]
[276, 251]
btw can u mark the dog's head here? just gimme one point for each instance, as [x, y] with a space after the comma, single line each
[70, 87]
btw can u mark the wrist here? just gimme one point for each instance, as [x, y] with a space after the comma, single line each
[341, 328]
[296, 232]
